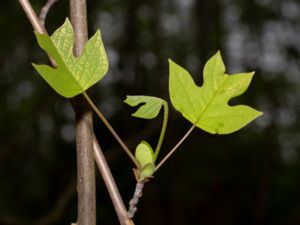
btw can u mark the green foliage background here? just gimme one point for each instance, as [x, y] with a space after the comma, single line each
[249, 177]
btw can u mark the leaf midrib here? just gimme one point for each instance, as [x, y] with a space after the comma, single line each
[211, 100]
[63, 60]
[96, 67]
[189, 98]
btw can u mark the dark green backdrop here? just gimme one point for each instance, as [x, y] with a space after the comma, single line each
[251, 177]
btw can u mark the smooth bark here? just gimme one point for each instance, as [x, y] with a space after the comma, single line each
[84, 128]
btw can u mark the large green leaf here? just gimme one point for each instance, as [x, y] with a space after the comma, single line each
[73, 75]
[149, 110]
[207, 106]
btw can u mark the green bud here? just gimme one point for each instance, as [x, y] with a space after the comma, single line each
[145, 157]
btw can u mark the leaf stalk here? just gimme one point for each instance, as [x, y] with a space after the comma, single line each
[111, 129]
[175, 148]
[163, 129]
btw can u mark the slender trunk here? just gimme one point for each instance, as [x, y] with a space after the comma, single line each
[84, 128]
[81, 112]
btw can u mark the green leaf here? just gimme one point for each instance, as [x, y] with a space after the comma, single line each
[145, 157]
[73, 75]
[207, 106]
[149, 110]
[144, 153]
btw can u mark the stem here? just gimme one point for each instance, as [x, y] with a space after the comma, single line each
[111, 185]
[45, 10]
[163, 130]
[111, 129]
[86, 184]
[174, 148]
[31, 15]
[136, 197]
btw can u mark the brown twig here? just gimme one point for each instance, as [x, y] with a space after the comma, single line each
[136, 197]
[31, 15]
[45, 10]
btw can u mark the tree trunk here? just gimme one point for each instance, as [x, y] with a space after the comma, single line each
[84, 128]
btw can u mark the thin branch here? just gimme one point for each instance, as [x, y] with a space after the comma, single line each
[136, 197]
[111, 129]
[31, 15]
[34, 20]
[174, 148]
[111, 185]
[45, 10]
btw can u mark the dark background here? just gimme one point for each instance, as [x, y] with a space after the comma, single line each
[249, 177]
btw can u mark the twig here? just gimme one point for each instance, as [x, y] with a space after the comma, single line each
[34, 20]
[136, 197]
[45, 10]
[111, 185]
[31, 15]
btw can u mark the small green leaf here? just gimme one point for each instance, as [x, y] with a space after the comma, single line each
[207, 106]
[144, 153]
[145, 157]
[147, 171]
[149, 110]
[73, 75]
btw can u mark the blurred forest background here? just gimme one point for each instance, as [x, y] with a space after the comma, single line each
[249, 177]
